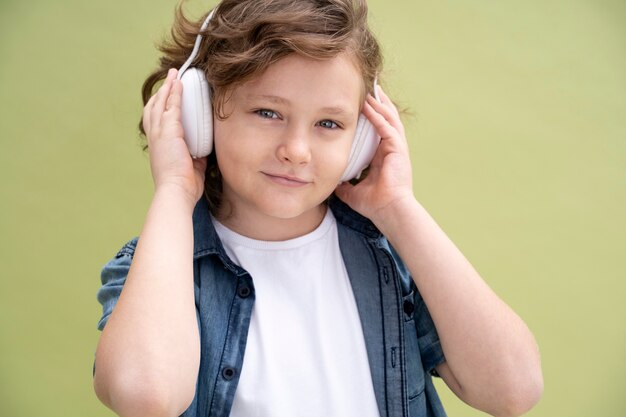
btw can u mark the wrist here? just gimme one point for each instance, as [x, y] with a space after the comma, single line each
[174, 193]
[392, 218]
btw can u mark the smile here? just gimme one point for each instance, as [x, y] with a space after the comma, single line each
[286, 180]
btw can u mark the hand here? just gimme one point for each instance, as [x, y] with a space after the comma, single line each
[390, 179]
[170, 161]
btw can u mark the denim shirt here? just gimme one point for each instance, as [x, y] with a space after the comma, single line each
[401, 340]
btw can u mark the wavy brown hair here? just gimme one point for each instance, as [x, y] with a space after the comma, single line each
[245, 37]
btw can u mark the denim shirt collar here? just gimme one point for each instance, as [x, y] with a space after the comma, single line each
[350, 218]
[207, 242]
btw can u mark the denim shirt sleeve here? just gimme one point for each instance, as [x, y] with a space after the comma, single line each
[427, 337]
[113, 277]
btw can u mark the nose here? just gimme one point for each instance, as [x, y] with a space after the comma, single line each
[294, 147]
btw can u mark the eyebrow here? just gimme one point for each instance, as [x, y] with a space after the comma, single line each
[335, 110]
[269, 97]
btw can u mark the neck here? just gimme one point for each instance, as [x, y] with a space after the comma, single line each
[260, 226]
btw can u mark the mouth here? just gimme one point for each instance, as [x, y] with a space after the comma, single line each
[286, 180]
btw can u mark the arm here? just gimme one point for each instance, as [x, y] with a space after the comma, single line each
[148, 355]
[492, 360]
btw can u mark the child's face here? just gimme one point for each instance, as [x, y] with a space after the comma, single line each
[287, 139]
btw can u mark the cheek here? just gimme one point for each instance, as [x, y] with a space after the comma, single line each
[219, 138]
[229, 150]
[229, 162]
[346, 147]
[334, 159]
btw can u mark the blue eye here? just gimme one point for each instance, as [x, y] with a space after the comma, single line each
[328, 124]
[267, 114]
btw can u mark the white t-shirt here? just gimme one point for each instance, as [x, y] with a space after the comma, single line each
[305, 353]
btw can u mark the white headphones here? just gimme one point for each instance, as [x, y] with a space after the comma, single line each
[197, 118]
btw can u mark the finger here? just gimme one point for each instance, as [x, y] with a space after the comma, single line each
[388, 102]
[163, 93]
[378, 116]
[146, 115]
[171, 120]
[384, 98]
[388, 111]
[161, 96]
[175, 97]
[385, 107]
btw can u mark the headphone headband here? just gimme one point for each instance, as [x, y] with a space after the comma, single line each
[196, 45]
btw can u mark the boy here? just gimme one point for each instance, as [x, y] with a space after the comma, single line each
[278, 292]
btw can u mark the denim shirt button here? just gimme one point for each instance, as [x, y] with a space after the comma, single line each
[228, 373]
[409, 308]
[244, 291]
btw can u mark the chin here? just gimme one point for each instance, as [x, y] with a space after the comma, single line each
[287, 210]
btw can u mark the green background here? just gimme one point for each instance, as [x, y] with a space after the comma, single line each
[518, 138]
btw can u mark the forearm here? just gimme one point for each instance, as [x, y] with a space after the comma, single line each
[149, 351]
[488, 348]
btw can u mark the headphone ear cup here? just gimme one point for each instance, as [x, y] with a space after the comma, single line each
[364, 145]
[197, 113]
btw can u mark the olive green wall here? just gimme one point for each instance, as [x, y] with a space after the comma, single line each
[518, 138]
